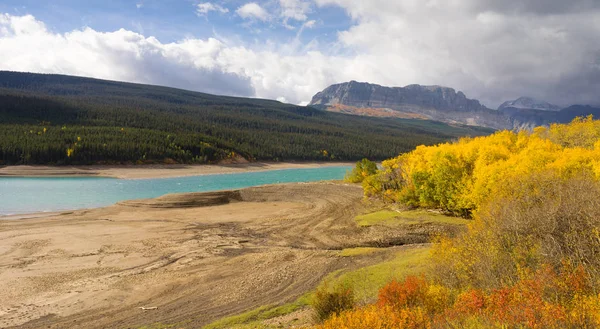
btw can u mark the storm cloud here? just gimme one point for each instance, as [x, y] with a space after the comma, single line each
[492, 50]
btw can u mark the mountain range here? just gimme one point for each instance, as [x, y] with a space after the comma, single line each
[442, 104]
[58, 119]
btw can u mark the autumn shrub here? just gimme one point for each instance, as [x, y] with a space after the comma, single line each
[363, 168]
[545, 298]
[376, 317]
[535, 220]
[332, 301]
[409, 293]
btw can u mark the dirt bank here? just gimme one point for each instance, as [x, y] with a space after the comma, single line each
[156, 171]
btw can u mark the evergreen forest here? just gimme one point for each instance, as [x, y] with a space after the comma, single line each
[66, 120]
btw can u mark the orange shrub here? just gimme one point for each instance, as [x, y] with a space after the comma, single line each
[471, 302]
[524, 304]
[544, 299]
[376, 317]
[409, 293]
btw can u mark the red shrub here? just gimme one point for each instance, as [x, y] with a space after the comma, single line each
[409, 293]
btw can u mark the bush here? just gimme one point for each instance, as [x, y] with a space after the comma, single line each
[409, 293]
[542, 299]
[363, 169]
[374, 317]
[328, 302]
[535, 220]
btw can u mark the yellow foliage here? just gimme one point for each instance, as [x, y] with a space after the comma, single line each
[373, 317]
[585, 311]
[460, 176]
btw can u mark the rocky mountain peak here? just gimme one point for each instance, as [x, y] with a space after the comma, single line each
[430, 102]
[529, 103]
[362, 94]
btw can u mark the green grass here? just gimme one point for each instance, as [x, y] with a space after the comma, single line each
[161, 326]
[408, 217]
[361, 251]
[254, 318]
[375, 218]
[368, 280]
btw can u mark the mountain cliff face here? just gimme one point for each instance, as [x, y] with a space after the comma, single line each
[431, 102]
[442, 104]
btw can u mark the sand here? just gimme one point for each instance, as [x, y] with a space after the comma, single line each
[157, 171]
[185, 259]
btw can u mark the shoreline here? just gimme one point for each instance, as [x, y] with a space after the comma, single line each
[67, 212]
[156, 171]
[41, 214]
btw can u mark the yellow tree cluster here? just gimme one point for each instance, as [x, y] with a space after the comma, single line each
[458, 177]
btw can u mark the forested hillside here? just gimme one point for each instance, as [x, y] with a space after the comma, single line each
[53, 119]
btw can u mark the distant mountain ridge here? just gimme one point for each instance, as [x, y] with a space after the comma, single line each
[529, 103]
[442, 104]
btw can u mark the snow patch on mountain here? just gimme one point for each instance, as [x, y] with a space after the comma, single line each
[530, 103]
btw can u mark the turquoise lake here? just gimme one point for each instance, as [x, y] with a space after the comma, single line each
[28, 195]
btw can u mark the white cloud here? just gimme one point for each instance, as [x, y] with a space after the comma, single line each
[204, 8]
[139, 5]
[493, 50]
[121, 55]
[294, 9]
[252, 10]
[310, 24]
[203, 65]
[488, 49]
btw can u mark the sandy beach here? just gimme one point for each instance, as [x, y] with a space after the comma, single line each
[157, 171]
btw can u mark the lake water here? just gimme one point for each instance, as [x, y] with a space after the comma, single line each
[28, 195]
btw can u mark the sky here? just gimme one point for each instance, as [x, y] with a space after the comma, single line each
[492, 50]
